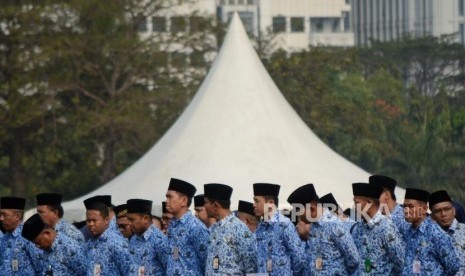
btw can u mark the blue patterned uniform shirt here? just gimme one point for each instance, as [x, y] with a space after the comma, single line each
[457, 232]
[432, 249]
[150, 250]
[69, 230]
[397, 216]
[333, 251]
[188, 240]
[380, 247]
[18, 256]
[232, 249]
[280, 251]
[109, 253]
[66, 257]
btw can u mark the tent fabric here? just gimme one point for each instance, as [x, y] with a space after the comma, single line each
[238, 130]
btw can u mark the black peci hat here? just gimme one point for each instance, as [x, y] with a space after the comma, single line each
[367, 190]
[105, 199]
[12, 202]
[51, 199]
[385, 182]
[163, 207]
[303, 195]
[265, 189]
[438, 197]
[416, 194]
[199, 201]
[246, 207]
[217, 191]
[142, 206]
[182, 186]
[32, 227]
[329, 199]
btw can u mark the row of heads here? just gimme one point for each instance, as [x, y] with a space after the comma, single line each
[215, 191]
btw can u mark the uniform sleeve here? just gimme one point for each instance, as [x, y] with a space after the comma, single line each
[294, 247]
[247, 251]
[162, 248]
[394, 248]
[201, 238]
[346, 246]
[77, 258]
[446, 253]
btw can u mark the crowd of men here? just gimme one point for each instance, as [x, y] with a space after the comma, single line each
[378, 236]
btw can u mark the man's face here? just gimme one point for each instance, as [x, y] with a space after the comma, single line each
[45, 239]
[414, 210]
[165, 221]
[48, 216]
[259, 205]
[209, 208]
[201, 214]
[96, 223]
[10, 219]
[124, 226]
[175, 201]
[383, 199]
[139, 222]
[443, 213]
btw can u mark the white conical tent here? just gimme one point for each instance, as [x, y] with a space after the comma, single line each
[238, 130]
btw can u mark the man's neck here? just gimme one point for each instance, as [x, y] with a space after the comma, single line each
[417, 224]
[180, 214]
[222, 213]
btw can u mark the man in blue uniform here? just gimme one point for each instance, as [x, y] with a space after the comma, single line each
[18, 256]
[279, 248]
[389, 206]
[63, 255]
[50, 210]
[246, 214]
[122, 221]
[200, 212]
[334, 212]
[188, 237]
[233, 248]
[332, 250]
[429, 249]
[443, 213]
[148, 247]
[380, 245]
[107, 252]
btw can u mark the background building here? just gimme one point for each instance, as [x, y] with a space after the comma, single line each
[386, 20]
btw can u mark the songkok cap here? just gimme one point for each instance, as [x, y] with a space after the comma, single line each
[329, 199]
[182, 186]
[51, 199]
[246, 207]
[303, 195]
[416, 194]
[385, 182]
[32, 227]
[105, 199]
[163, 207]
[265, 189]
[217, 191]
[199, 201]
[142, 206]
[12, 202]
[347, 212]
[367, 190]
[438, 197]
[121, 210]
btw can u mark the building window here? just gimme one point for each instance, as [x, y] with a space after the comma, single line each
[159, 24]
[279, 24]
[346, 21]
[336, 25]
[461, 8]
[297, 24]
[462, 33]
[197, 59]
[317, 25]
[141, 24]
[178, 24]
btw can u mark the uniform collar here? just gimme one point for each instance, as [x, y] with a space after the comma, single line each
[184, 219]
[148, 232]
[17, 232]
[453, 227]
[375, 220]
[225, 220]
